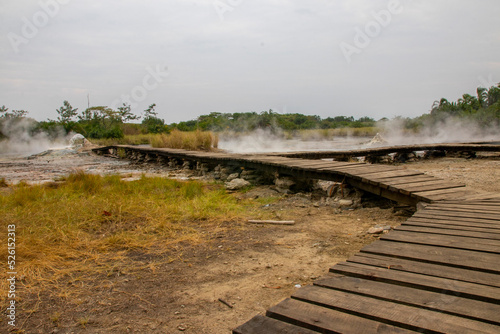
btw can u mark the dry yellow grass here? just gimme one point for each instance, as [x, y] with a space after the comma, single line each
[136, 139]
[88, 224]
[194, 140]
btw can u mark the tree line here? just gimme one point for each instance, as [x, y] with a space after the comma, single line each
[483, 108]
[94, 122]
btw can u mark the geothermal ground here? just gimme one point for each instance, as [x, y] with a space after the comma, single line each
[251, 267]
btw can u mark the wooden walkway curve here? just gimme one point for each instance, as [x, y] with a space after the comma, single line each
[439, 272]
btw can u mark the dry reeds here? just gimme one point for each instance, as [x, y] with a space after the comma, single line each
[194, 140]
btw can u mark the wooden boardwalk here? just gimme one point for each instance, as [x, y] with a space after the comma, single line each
[392, 182]
[384, 150]
[439, 272]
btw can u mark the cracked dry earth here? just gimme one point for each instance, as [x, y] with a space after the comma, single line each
[250, 267]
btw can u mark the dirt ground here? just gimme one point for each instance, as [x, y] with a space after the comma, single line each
[250, 267]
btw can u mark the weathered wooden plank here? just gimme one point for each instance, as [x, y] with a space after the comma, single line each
[327, 320]
[482, 196]
[395, 174]
[454, 222]
[444, 213]
[314, 164]
[462, 307]
[452, 232]
[427, 186]
[436, 195]
[373, 171]
[485, 202]
[440, 255]
[438, 182]
[264, 325]
[359, 170]
[449, 241]
[464, 208]
[469, 290]
[429, 269]
[428, 214]
[393, 313]
[411, 180]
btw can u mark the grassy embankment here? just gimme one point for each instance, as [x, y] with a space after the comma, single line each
[88, 225]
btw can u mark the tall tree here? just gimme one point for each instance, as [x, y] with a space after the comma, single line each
[66, 113]
[125, 113]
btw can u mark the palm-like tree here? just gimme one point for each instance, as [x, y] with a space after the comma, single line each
[482, 96]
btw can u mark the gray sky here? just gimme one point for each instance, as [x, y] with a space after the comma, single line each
[355, 58]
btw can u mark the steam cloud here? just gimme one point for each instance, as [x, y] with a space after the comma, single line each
[448, 130]
[20, 139]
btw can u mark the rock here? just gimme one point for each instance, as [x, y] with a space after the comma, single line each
[375, 230]
[247, 173]
[345, 202]
[283, 184]
[237, 184]
[379, 229]
[232, 177]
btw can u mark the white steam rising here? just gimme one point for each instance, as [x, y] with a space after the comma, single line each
[265, 141]
[393, 132]
[20, 139]
[448, 130]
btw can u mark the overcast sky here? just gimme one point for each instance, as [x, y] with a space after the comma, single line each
[192, 57]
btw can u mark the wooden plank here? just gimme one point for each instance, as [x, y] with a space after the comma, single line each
[454, 222]
[414, 318]
[482, 196]
[264, 325]
[439, 195]
[369, 173]
[472, 208]
[484, 221]
[314, 164]
[358, 170]
[382, 177]
[449, 241]
[408, 180]
[429, 269]
[427, 186]
[445, 196]
[440, 255]
[487, 216]
[473, 202]
[462, 307]
[394, 181]
[445, 231]
[327, 320]
[429, 283]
